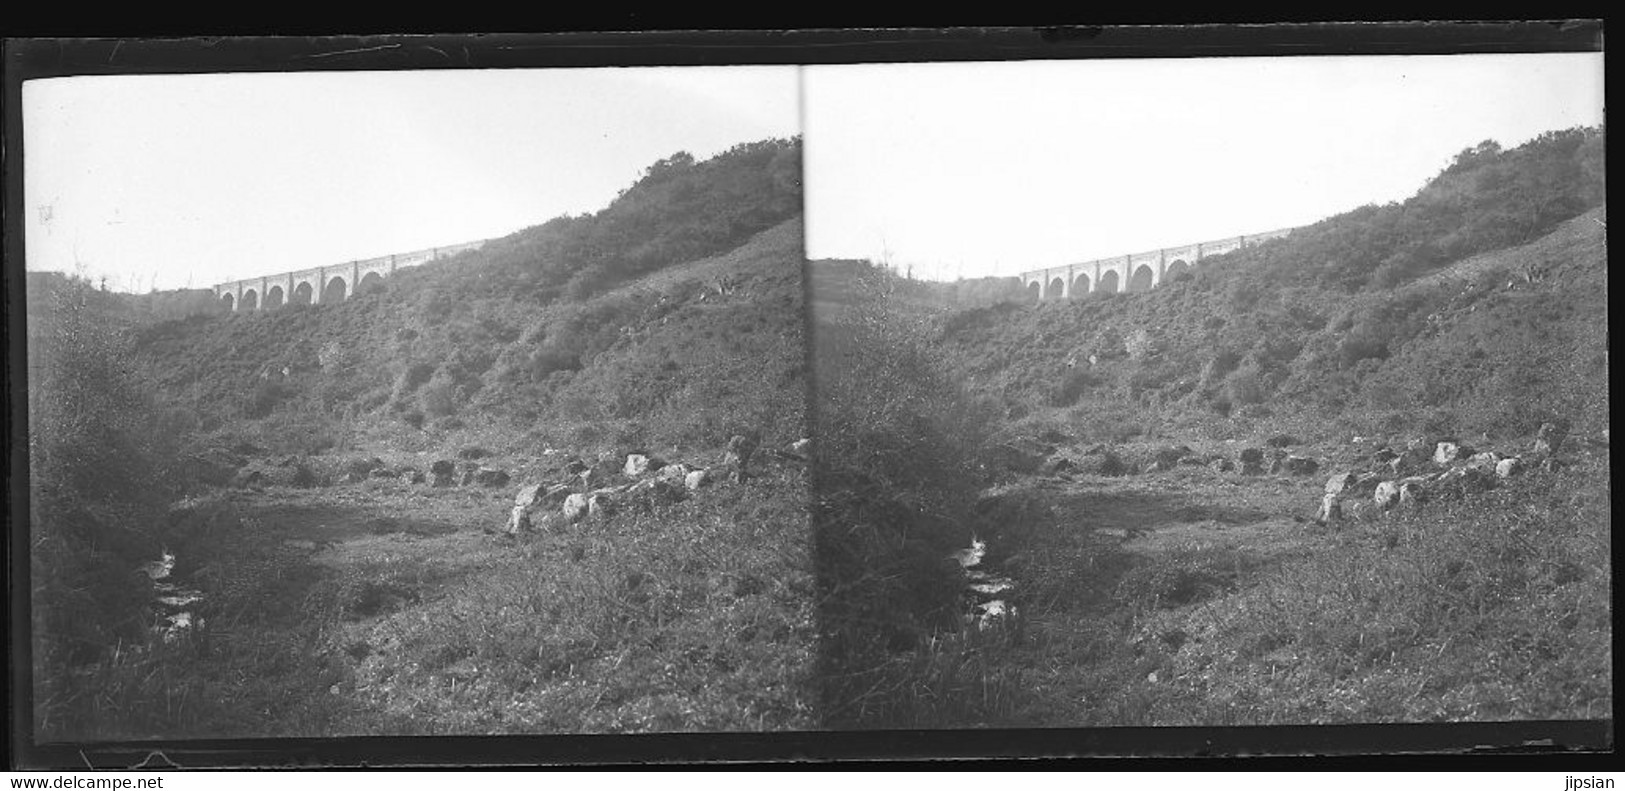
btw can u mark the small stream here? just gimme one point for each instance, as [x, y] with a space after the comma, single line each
[985, 588]
[171, 600]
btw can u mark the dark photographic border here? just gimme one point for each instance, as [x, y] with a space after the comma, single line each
[1566, 745]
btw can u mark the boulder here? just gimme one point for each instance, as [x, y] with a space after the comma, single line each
[1331, 509]
[491, 478]
[1166, 458]
[1508, 467]
[1252, 461]
[1412, 492]
[657, 491]
[575, 467]
[384, 472]
[412, 474]
[802, 448]
[1300, 465]
[442, 471]
[575, 507]
[357, 470]
[1341, 482]
[601, 503]
[1222, 465]
[1281, 441]
[638, 464]
[694, 480]
[1447, 452]
[675, 472]
[473, 453]
[1384, 455]
[1550, 438]
[1386, 495]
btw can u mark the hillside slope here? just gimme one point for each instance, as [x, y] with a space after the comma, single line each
[507, 342]
[1498, 338]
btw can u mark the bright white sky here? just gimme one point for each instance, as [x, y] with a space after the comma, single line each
[993, 168]
[173, 180]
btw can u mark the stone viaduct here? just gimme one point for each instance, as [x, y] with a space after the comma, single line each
[1133, 272]
[325, 284]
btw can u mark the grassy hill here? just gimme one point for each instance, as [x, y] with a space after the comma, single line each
[1497, 327]
[619, 327]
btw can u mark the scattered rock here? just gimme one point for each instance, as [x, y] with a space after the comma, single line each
[1550, 438]
[601, 503]
[656, 491]
[1331, 509]
[412, 474]
[1222, 465]
[1282, 441]
[1252, 461]
[637, 464]
[1506, 468]
[575, 507]
[442, 471]
[1386, 495]
[594, 477]
[694, 480]
[384, 472]
[473, 453]
[1411, 492]
[1341, 482]
[741, 448]
[1300, 465]
[491, 478]
[1446, 452]
[675, 472]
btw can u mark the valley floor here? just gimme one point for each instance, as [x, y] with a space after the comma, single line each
[1195, 597]
[388, 608]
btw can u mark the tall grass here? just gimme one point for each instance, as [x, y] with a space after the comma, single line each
[895, 477]
[97, 487]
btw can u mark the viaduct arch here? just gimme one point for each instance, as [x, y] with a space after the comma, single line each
[325, 284]
[1132, 273]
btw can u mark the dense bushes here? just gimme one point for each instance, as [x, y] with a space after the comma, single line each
[895, 477]
[97, 488]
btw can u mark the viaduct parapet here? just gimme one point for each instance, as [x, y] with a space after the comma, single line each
[323, 284]
[1132, 272]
